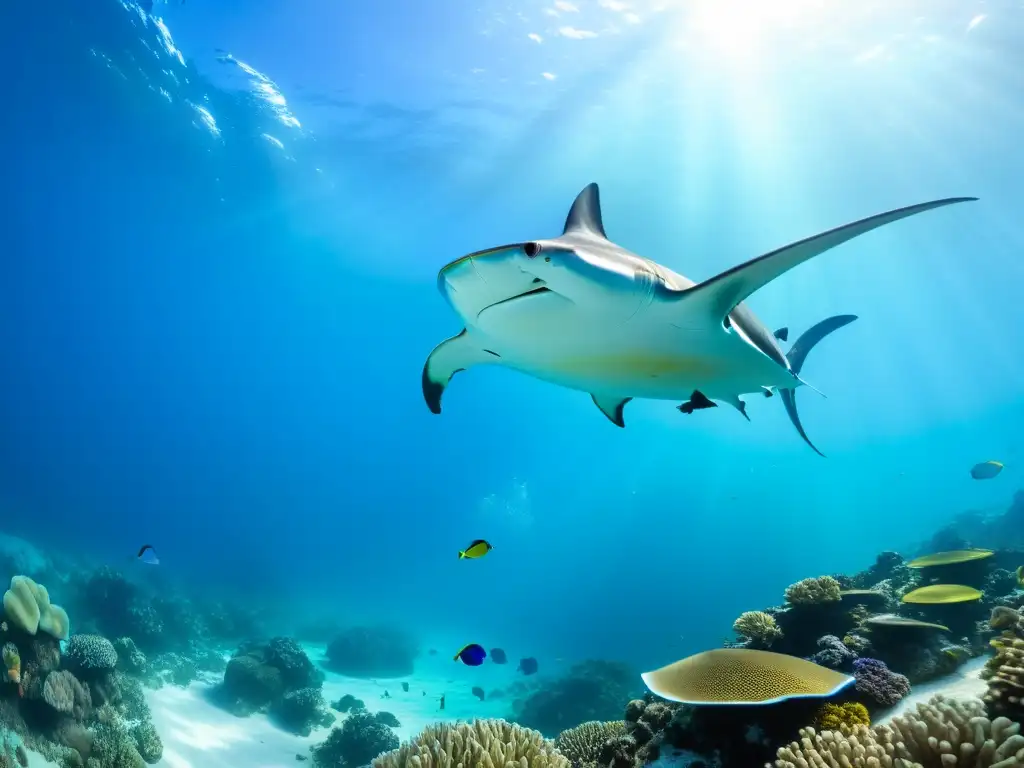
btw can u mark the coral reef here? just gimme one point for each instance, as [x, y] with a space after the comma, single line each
[590, 690]
[875, 680]
[814, 591]
[939, 734]
[27, 606]
[832, 717]
[372, 652]
[481, 743]
[585, 743]
[360, 739]
[1004, 673]
[833, 653]
[758, 627]
[275, 677]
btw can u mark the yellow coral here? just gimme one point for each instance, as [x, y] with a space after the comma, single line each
[28, 605]
[833, 717]
[480, 744]
[814, 591]
[12, 662]
[942, 594]
[758, 626]
[953, 557]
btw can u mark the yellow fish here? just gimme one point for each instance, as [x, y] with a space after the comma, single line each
[476, 548]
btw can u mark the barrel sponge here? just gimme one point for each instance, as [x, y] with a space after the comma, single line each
[481, 744]
[743, 676]
[28, 606]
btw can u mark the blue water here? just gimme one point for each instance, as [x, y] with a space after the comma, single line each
[221, 227]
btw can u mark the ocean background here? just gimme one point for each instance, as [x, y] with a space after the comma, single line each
[220, 232]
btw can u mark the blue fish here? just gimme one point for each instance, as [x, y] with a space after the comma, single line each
[472, 655]
[528, 666]
[498, 656]
[148, 555]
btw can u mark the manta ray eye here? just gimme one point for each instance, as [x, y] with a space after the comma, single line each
[531, 250]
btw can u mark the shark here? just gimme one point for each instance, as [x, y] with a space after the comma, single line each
[582, 312]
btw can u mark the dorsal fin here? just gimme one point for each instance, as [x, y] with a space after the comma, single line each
[585, 214]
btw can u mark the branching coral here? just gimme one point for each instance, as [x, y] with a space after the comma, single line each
[1005, 675]
[833, 717]
[91, 653]
[940, 734]
[833, 653]
[482, 744]
[879, 682]
[583, 744]
[814, 591]
[758, 626]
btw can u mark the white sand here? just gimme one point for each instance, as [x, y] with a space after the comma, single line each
[198, 734]
[965, 683]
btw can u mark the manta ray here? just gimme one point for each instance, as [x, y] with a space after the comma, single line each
[582, 312]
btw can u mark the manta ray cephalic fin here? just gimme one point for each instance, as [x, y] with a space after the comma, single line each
[448, 358]
[722, 293]
[612, 407]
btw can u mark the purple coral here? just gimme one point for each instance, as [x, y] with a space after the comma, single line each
[879, 682]
[833, 654]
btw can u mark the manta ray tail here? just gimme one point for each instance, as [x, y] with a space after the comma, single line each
[448, 358]
[798, 355]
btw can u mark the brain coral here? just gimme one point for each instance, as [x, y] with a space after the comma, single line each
[814, 591]
[91, 652]
[481, 744]
[758, 626]
[743, 676]
[583, 744]
[940, 734]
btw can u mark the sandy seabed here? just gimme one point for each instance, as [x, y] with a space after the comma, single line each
[198, 734]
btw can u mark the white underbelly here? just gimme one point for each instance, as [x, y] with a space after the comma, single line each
[557, 342]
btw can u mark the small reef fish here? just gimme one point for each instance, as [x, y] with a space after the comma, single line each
[986, 470]
[528, 666]
[442, 701]
[405, 687]
[477, 548]
[432, 651]
[498, 656]
[148, 555]
[472, 655]
[478, 692]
